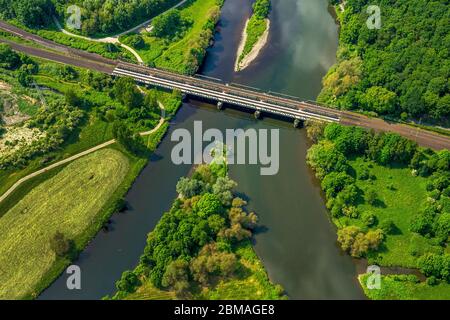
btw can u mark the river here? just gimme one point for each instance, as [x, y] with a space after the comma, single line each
[296, 240]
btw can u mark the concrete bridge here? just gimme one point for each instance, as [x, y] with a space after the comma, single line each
[231, 94]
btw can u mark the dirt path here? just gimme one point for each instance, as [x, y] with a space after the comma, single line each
[77, 156]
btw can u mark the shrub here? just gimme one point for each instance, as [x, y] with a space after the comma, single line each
[369, 219]
[127, 282]
[61, 245]
[371, 197]
[208, 205]
[387, 226]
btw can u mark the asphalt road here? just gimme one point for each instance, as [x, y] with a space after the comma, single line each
[79, 58]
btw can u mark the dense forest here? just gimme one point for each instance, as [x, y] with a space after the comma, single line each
[401, 69]
[97, 17]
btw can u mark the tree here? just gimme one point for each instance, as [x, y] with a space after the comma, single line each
[374, 238]
[134, 40]
[442, 228]
[222, 188]
[360, 246]
[380, 99]
[353, 240]
[235, 233]
[150, 101]
[211, 261]
[127, 282]
[238, 216]
[335, 182]
[123, 135]
[325, 158]
[368, 218]
[261, 8]
[187, 188]
[24, 78]
[33, 13]
[126, 92]
[72, 98]
[205, 174]
[437, 265]
[314, 130]
[176, 277]
[371, 197]
[216, 223]
[167, 25]
[422, 223]
[208, 205]
[388, 226]
[390, 64]
[8, 58]
[61, 245]
[347, 235]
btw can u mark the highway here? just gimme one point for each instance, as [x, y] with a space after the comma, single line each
[218, 91]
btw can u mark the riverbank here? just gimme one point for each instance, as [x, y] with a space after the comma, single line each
[244, 55]
[369, 191]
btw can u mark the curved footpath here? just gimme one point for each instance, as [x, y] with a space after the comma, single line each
[77, 156]
[115, 38]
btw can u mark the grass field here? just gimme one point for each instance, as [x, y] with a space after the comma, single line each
[69, 202]
[400, 197]
[405, 288]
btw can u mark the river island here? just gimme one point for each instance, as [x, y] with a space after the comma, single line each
[254, 35]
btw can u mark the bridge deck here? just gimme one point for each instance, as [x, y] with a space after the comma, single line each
[230, 94]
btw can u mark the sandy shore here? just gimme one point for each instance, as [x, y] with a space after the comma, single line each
[253, 54]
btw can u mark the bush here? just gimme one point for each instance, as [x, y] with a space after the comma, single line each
[127, 282]
[388, 226]
[61, 245]
[353, 240]
[134, 40]
[8, 58]
[432, 281]
[371, 197]
[208, 205]
[369, 219]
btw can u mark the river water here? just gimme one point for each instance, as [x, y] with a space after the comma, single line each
[296, 240]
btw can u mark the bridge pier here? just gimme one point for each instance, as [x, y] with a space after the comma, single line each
[298, 123]
[257, 114]
[220, 105]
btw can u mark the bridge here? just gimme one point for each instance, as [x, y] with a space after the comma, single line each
[220, 92]
[231, 94]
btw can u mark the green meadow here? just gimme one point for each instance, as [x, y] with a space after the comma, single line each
[70, 203]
